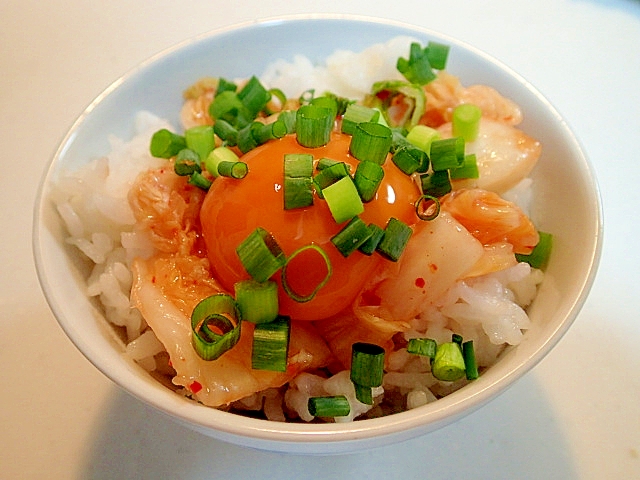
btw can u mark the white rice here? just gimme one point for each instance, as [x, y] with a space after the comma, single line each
[92, 202]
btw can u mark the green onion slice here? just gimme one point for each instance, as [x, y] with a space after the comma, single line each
[280, 100]
[237, 170]
[261, 255]
[257, 301]
[435, 184]
[198, 180]
[298, 180]
[166, 144]
[438, 53]
[465, 121]
[329, 174]
[417, 68]
[371, 142]
[447, 153]
[313, 126]
[200, 139]
[343, 199]
[215, 325]
[285, 284]
[186, 163]
[427, 207]
[470, 362]
[422, 346]
[363, 394]
[355, 114]
[448, 363]
[422, 137]
[410, 159]
[217, 156]
[539, 257]
[288, 118]
[394, 241]
[367, 364]
[351, 237]
[469, 168]
[226, 132]
[367, 179]
[254, 96]
[335, 406]
[371, 244]
[271, 345]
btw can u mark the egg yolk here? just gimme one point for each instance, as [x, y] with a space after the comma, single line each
[233, 209]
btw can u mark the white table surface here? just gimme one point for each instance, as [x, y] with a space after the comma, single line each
[576, 415]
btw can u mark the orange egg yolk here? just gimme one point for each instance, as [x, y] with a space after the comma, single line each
[233, 209]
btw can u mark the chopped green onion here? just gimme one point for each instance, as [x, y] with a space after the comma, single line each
[435, 184]
[285, 283]
[422, 346]
[422, 137]
[470, 362]
[427, 207]
[215, 325]
[246, 139]
[416, 68]
[327, 102]
[166, 144]
[355, 114]
[200, 139]
[413, 95]
[447, 153]
[198, 180]
[394, 241]
[271, 345]
[457, 338]
[281, 99]
[225, 85]
[254, 96]
[367, 179]
[313, 126]
[263, 132]
[288, 117]
[437, 54]
[226, 132]
[237, 170]
[448, 364]
[371, 141]
[335, 406]
[257, 301]
[217, 156]
[298, 165]
[363, 394]
[228, 107]
[410, 159]
[371, 244]
[307, 96]
[343, 199]
[367, 364]
[330, 174]
[186, 163]
[260, 254]
[298, 180]
[297, 192]
[539, 257]
[351, 237]
[469, 168]
[465, 121]
[325, 162]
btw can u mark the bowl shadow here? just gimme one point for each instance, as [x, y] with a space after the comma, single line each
[517, 435]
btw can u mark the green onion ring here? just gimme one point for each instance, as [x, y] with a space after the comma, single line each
[280, 96]
[287, 288]
[221, 312]
[422, 215]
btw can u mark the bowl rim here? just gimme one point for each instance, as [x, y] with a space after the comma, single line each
[235, 427]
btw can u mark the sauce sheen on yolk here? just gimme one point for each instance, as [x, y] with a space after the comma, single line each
[232, 209]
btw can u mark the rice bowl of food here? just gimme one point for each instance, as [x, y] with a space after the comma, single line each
[317, 246]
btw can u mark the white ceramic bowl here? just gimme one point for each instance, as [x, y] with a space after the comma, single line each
[566, 203]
